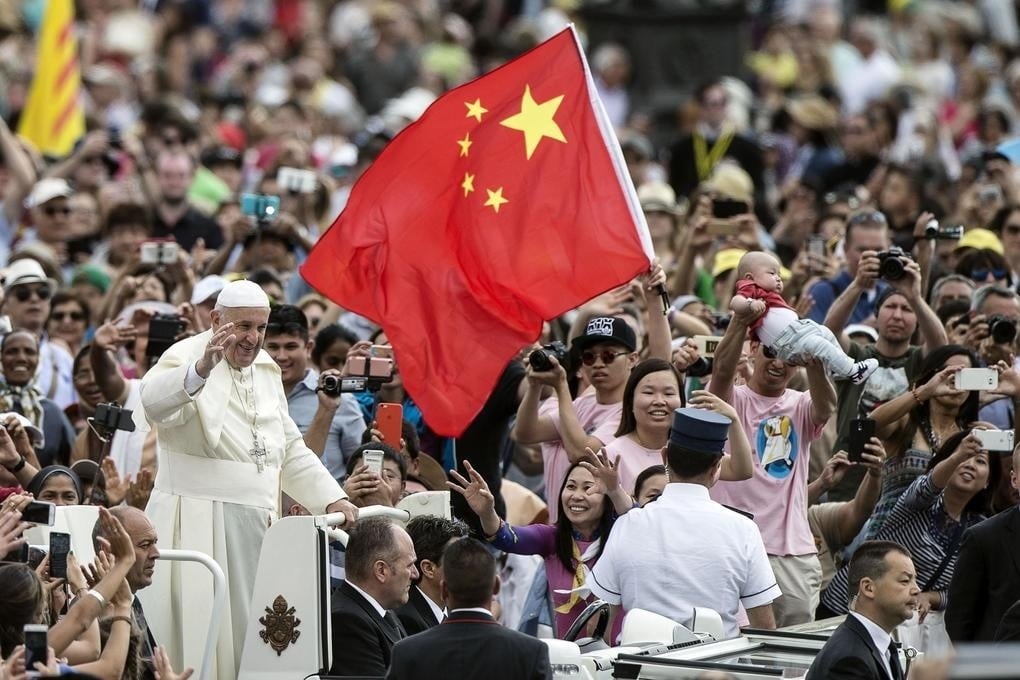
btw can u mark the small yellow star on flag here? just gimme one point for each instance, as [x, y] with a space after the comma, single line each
[495, 198]
[468, 185]
[475, 110]
[536, 121]
[465, 144]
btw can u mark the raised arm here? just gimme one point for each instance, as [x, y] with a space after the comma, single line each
[19, 167]
[943, 472]
[856, 513]
[727, 354]
[890, 416]
[738, 464]
[823, 394]
[660, 338]
[842, 307]
[530, 427]
[109, 378]
[932, 331]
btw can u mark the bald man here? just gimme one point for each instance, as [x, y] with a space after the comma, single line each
[778, 326]
[226, 448]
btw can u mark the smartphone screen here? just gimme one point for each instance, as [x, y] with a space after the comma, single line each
[36, 646]
[60, 545]
[861, 431]
[724, 208]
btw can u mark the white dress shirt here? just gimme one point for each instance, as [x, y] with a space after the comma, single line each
[371, 600]
[881, 639]
[437, 611]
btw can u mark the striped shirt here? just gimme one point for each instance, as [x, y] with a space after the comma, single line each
[919, 523]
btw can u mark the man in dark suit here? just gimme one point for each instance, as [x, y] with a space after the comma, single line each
[883, 577]
[379, 570]
[425, 603]
[986, 581]
[469, 643]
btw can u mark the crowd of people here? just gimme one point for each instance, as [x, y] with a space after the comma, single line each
[800, 436]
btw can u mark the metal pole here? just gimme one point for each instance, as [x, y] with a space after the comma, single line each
[219, 600]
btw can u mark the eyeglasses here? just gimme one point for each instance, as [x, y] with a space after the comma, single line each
[52, 210]
[73, 316]
[607, 357]
[769, 352]
[24, 293]
[980, 275]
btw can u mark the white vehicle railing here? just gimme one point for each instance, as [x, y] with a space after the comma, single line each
[219, 600]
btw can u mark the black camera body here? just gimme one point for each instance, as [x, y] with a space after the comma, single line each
[113, 416]
[1002, 329]
[540, 359]
[331, 385]
[890, 264]
[163, 332]
[700, 368]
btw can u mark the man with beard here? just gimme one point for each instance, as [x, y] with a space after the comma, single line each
[175, 218]
[900, 310]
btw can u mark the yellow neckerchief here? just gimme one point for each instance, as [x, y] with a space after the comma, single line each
[706, 159]
[578, 589]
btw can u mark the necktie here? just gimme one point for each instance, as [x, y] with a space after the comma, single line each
[894, 662]
[394, 624]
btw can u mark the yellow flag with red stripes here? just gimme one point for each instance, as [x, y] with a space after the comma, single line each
[53, 119]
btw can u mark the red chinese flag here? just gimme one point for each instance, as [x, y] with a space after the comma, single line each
[506, 203]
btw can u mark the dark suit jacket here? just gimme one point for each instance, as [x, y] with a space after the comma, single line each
[416, 614]
[1009, 627]
[470, 645]
[362, 640]
[986, 581]
[849, 654]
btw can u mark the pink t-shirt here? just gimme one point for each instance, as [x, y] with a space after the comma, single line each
[634, 459]
[591, 415]
[781, 431]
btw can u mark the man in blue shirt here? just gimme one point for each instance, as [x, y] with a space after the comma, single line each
[331, 424]
[866, 236]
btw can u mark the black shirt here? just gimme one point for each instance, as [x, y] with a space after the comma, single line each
[192, 226]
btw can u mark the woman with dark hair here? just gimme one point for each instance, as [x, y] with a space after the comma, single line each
[649, 484]
[929, 520]
[332, 343]
[916, 423]
[653, 391]
[570, 547]
[19, 359]
[69, 320]
[984, 266]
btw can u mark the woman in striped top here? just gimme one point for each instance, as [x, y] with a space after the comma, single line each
[929, 519]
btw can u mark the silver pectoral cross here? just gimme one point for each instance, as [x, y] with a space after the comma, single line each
[258, 452]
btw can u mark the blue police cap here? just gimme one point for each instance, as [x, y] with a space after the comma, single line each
[699, 430]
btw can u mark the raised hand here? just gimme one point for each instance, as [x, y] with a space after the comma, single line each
[116, 486]
[835, 470]
[602, 468]
[11, 532]
[704, 399]
[552, 377]
[940, 384]
[362, 485]
[475, 492]
[120, 541]
[873, 457]
[9, 455]
[140, 489]
[110, 336]
[222, 339]
[163, 669]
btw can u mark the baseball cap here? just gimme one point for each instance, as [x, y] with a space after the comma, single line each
[861, 329]
[206, 288]
[605, 329]
[981, 239]
[45, 190]
[726, 259]
[35, 435]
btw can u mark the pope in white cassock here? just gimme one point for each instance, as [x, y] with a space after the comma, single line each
[227, 447]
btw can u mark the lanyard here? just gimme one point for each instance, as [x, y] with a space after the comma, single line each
[706, 159]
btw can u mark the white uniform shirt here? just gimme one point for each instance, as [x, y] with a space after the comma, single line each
[684, 551]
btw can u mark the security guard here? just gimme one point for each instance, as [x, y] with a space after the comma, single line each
[685, 550]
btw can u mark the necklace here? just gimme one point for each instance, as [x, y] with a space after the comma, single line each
[257, 450]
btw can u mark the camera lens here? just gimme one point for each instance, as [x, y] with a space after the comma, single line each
[331, 385]
[1003, 331]
[891, 268]
[539, 360]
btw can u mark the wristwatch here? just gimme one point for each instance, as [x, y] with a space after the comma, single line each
[18, 467]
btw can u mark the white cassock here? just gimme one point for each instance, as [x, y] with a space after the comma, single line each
[210, 496]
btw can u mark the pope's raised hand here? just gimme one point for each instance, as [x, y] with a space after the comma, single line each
[222, 339]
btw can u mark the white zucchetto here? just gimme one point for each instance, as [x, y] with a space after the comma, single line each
[243, 294]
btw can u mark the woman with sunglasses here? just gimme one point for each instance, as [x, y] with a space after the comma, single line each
[916, 423]
[983, 267]
[19, 358]
[570, 546]
[69, 321]
[654, 390]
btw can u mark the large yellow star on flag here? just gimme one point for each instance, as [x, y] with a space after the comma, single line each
[536, 121]
[465, 144]
[475, 110]
[468, 185]
[495, 198]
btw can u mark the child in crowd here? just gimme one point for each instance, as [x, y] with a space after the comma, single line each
[781, 330]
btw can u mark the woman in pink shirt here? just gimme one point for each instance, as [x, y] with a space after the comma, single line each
[654, 390]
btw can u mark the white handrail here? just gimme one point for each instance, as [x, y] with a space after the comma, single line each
[337, 519]
[219, 600]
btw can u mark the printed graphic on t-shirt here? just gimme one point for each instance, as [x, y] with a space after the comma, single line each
[776, 446]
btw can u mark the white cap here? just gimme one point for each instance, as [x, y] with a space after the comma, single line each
[243, 294]
[25, 270]
[206, 288]
[45, 190]
[861, 329]
[35, 435]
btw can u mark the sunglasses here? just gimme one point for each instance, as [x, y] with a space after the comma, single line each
[52, 210]
[769, 352]
[73, 316]
[25, 293]
[607, 357]
[982, 274]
